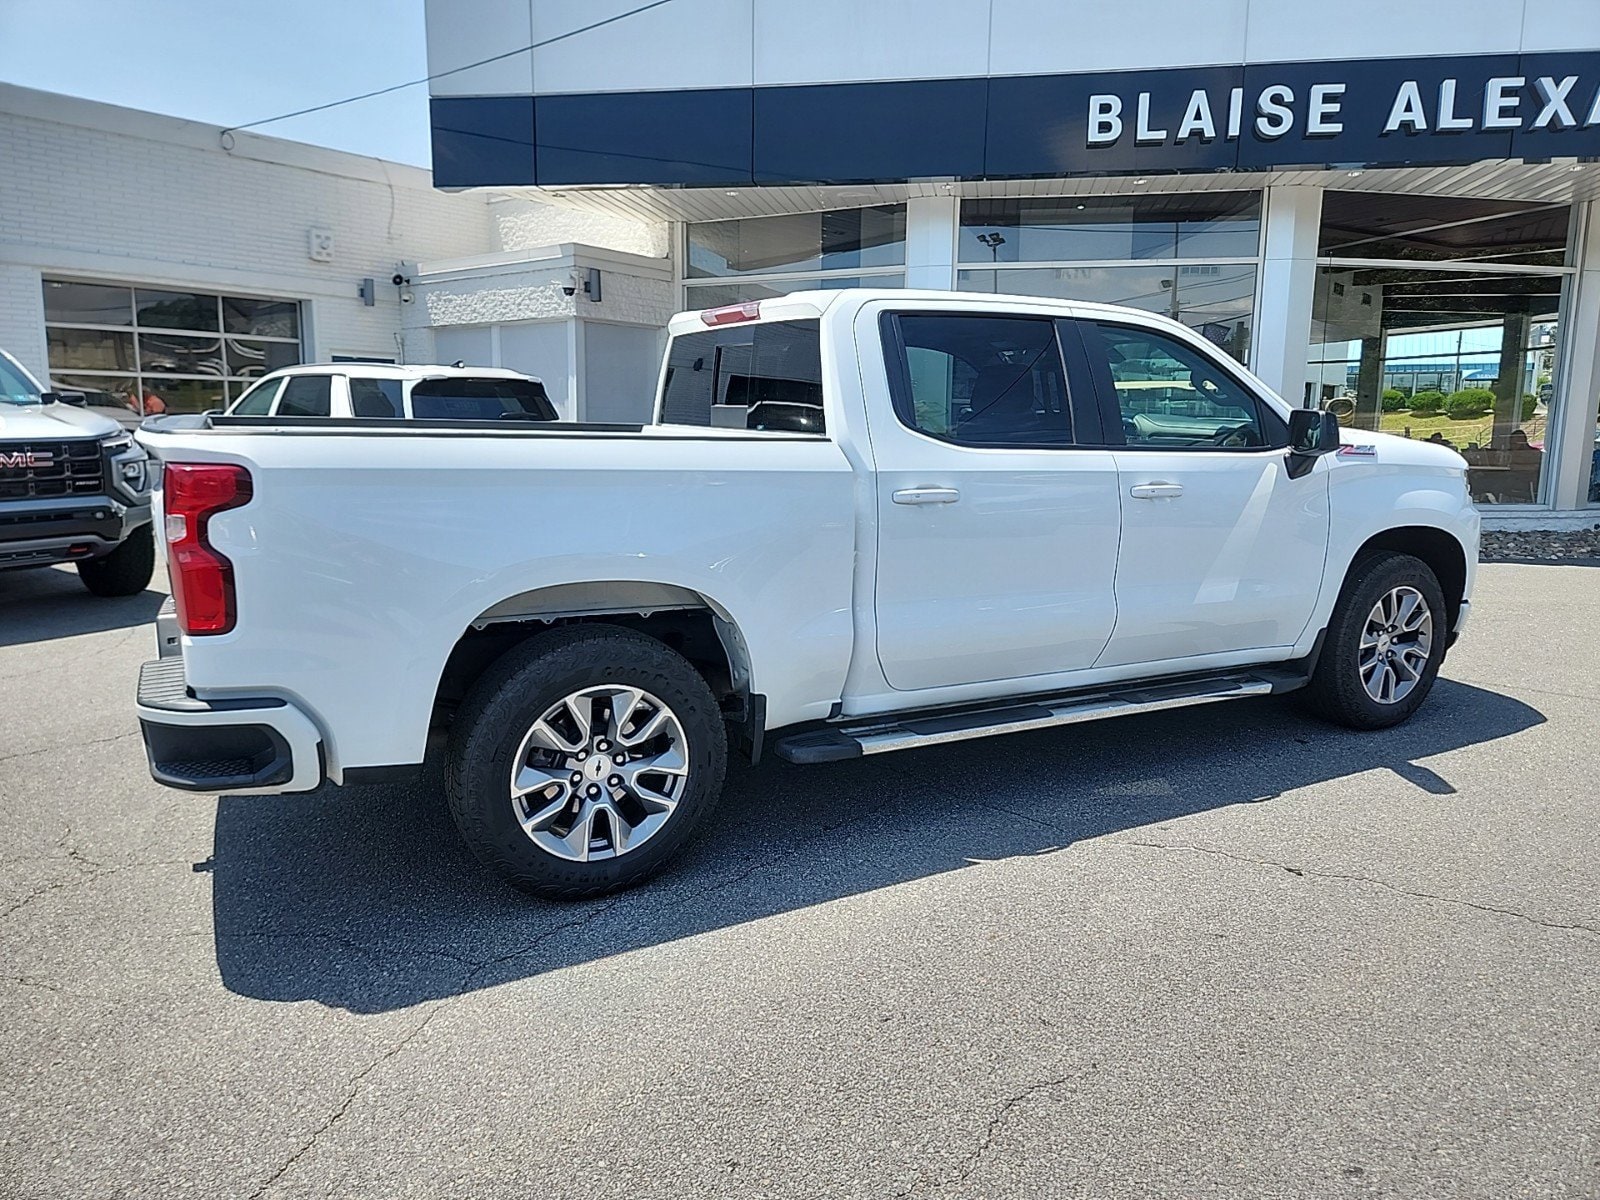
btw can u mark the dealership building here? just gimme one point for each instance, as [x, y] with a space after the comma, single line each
[1388, 206]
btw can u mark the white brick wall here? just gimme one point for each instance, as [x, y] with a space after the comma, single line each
[22, 316]
[97, 192]
[527, 225]
[504, 287]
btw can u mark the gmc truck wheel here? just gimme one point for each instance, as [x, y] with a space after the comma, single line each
[584, 759]
[126, 571]
[1384, 645]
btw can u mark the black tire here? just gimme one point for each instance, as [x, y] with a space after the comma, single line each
[514, 693]
[1336, 691]
[126, 571]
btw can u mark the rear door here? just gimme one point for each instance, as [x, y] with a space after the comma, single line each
[1221, 551]
[997, 519]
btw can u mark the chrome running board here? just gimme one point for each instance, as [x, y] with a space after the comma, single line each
[853, 739]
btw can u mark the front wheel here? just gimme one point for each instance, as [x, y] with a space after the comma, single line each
[126, 571]
[584, 760]
[1384, 644]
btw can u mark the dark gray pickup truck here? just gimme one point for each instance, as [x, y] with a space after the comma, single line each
[74, 487]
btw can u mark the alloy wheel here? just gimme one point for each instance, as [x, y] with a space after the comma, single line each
[599, 773]
[1396, 644]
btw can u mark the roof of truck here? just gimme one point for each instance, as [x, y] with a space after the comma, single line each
[403, 371]
[814, 302]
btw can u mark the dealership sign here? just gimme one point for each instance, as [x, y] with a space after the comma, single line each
[1241, 117]
[1273, 111]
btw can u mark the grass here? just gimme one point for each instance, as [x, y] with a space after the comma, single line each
[1458, 433]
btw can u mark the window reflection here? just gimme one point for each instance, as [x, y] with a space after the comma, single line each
[156, 350]
[846, 239]
[1464, 353]
[1215, 300]
[1090, 228]
[1464, 357]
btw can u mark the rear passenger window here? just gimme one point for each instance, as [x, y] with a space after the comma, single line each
[305, 396]
[984, 380]
[375, 397]
[754, 376]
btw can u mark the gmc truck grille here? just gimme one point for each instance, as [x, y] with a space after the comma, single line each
[45, 470]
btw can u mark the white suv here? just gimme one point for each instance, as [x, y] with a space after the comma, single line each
[382, 390]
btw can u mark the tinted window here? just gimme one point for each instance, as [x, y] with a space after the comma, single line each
[305, 396]
[1442, 228]
[984, 380]
[466, 399]
[87, 303]
[747, 377]
[845, 239]
[1108, 228]
[263, 318]
[1173, 397]
[257, 402]
[175, 310]
[375, 397]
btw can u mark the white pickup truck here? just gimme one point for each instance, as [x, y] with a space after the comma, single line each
[863, 521]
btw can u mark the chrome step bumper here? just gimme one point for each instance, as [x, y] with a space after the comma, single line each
[906, 732]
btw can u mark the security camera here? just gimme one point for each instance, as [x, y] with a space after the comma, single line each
[405, 297]
[397, 279]
[572, 284]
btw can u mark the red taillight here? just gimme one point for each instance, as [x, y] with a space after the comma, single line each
[202, 577]
[732, 314]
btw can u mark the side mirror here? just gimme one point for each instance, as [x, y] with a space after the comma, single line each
[1311, 435]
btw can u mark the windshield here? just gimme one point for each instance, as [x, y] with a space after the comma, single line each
[15, 387]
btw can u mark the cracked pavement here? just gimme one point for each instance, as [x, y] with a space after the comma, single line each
[1217, 952]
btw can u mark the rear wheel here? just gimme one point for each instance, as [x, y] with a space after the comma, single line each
[584, 760]
[126, 571]
[1384, 644]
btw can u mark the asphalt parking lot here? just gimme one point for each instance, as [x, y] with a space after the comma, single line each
[1225, 952]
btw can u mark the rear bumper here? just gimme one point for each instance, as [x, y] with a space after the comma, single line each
[260, 745]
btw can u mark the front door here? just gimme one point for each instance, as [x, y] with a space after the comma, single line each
[997, 533]
[1221, 550]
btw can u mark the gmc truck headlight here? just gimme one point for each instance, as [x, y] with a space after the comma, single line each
[130, 465]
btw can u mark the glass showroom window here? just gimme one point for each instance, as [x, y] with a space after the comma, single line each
[149, 349]
[753, 258]
[1440, 318]
[1192, 257]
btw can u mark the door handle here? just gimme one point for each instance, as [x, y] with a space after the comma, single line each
[1156, 491]
[927, 495]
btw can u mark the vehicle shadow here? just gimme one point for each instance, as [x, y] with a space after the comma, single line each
[45, 604]
[366, 900]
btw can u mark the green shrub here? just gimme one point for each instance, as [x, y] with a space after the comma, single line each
[1393, 400]
[1469, 402]
[1529, 403]
[1427, 402]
